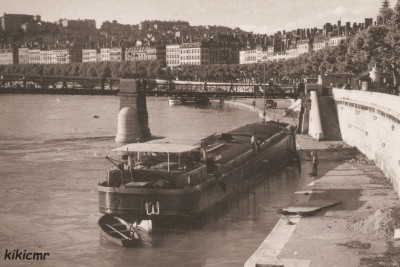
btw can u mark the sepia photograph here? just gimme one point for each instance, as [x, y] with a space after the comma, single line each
[192, 133]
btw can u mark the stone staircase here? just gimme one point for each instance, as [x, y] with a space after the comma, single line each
[329, 118]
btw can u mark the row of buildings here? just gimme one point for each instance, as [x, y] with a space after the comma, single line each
[189, 53]
[192, 53]
[287, 45]
[270, 53]
[9, 55]
[281, 46]
[214, 46]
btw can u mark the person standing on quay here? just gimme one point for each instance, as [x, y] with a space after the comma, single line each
[254, 142]
[314, 163]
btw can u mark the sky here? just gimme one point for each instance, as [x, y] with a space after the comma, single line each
[259, 16]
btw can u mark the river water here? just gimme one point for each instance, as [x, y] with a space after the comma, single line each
[52, 152]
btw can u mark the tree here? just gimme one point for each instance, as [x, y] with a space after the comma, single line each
[385, 13]
[391, 50]
[365, 50]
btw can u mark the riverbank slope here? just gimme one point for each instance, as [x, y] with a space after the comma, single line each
[358, 231]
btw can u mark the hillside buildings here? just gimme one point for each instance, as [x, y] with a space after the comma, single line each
[10, 23]
[174, 42]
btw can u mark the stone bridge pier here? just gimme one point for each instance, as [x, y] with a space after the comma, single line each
[133, 123]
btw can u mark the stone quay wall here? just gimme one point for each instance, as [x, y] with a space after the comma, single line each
[370, 121]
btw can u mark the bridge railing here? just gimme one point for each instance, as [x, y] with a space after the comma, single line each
[151, 86]
[59, 82]
[211, 87]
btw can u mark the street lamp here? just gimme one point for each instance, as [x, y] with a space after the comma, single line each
[264, 88]
[136, 65]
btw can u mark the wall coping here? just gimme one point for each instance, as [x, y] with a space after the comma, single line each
[388, 103]
[393, 110]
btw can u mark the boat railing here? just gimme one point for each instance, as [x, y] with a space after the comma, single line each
[179, 178]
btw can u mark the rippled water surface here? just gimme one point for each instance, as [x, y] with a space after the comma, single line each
[52, 152]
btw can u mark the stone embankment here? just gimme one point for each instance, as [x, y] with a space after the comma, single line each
[277, 114]
[357, 231]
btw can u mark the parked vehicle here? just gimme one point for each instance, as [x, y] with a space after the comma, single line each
[269, 103]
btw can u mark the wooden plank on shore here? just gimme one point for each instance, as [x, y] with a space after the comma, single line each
[309, 192]
[308, 208]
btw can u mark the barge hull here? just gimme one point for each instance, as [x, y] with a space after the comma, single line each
[238, 174]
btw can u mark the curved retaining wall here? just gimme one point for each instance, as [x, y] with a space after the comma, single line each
[249, 107]
[371, 122]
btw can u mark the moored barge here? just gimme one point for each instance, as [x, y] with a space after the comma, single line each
[156, 180]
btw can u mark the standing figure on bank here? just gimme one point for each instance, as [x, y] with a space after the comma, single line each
[254, 142]
[314, 163]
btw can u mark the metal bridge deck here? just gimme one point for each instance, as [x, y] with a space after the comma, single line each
[110, 86]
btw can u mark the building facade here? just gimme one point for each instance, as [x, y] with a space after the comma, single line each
[335, 41]
[303, 46]
[89, 55]
[156, 53]
[318, 45]
[23, 55]
[46, 57]
[105, 54]
[251, 56]
[34, 56]
[137, 53]
[6, 56]
[116, 54]
[61, 56]
[222, 53]
[173, 55]
[195, 53]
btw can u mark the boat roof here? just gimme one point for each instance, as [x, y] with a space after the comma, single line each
[153, 147]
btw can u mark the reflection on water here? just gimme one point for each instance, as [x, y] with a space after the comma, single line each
[52, 157]
[226, 236]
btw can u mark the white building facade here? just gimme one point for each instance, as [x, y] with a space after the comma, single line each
[6, 56]
[34, 56]
[116, 54]
[105, 54]
[46, 57]
[89, 55]
[61, 56]
[173, 55]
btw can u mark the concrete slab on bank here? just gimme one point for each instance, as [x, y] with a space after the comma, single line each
[308, 208]
[268, 252]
